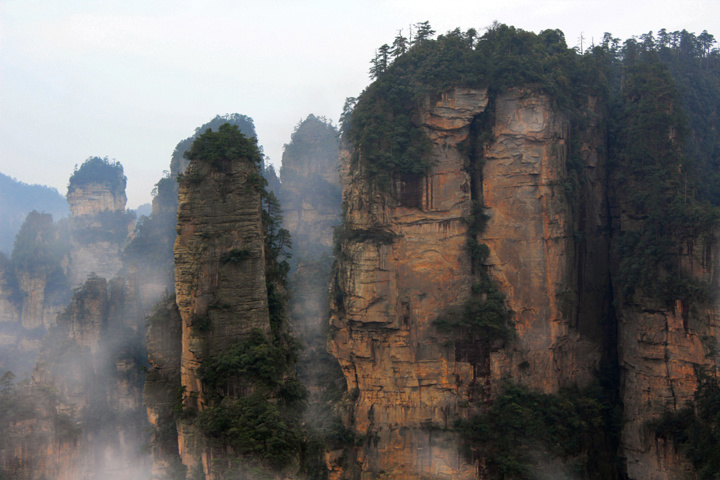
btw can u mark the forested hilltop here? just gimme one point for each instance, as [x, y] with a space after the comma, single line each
[661, 101]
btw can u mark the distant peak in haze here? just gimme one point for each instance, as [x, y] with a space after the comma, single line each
[17, 199]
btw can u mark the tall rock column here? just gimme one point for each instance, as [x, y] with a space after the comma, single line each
[220, 283]
[98, 222]
[402, 261]
[530, 235]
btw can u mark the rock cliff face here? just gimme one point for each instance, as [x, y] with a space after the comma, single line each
[310, 199]
[661, 351]
[532, 244]
[9, 294]
[311, 191]
[409, 378]
[87, 419]
[99, 229]
[93, 198]
[163, 393]
[404, 261]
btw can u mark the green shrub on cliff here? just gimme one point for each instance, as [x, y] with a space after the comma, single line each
[243, 122]
[662, 98]
[529, 435]
[252, 399]
[660, 181]
[39, 246]
[264, 423]
[221, 147]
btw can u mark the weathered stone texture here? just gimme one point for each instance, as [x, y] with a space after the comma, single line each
[661, 350]
[409, 377]
[220, 298]
[94, 198]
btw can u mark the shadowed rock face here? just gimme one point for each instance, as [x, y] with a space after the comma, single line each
[311, 192]
[404, 261]
[410, 379]
[661, 351]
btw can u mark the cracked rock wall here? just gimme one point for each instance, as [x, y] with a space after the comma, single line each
[409, 379]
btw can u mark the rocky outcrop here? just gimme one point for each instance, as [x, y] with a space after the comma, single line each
[311, 191]
[95, 197]
[404, 261]
[99, 225]
[532, 244]
[9, 293]
[163, 391]
[310, 198]
[662, 350]
[37, 311]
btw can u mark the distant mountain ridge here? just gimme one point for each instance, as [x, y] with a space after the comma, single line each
[17, 199]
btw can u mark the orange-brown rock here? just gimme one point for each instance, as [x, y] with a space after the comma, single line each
[93, 198]
[661, 351]
[411, 380]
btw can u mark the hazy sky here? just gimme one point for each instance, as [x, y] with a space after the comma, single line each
[129, 79]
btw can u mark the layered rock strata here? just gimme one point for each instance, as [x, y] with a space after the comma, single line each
[662, 351]
[93, 198]
[404, 261]
[220, 285]
[99, 229]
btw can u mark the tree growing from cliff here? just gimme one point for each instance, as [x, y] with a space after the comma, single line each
[382, 127]
[695, 429]
[243, 122]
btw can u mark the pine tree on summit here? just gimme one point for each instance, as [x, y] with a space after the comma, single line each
[400, 45]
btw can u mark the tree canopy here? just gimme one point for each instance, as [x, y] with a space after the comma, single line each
[228, 143]
[99, 170]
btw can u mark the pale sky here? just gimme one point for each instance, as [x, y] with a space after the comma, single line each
[129, 79]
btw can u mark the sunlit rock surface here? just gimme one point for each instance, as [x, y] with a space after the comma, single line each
[412, 382]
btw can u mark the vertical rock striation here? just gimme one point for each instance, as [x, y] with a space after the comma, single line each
[99, 225]
[220, 284]
[310, 200]
[86, 418]
[404, 261]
